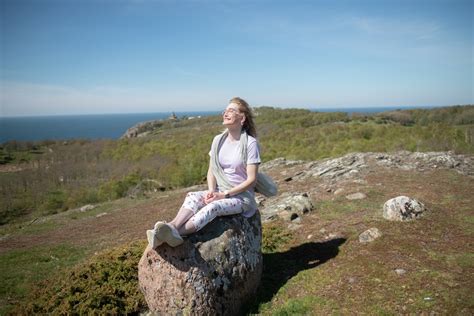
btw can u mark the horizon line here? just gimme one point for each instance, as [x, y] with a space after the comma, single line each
[253, 107]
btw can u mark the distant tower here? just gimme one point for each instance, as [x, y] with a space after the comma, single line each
[173, 117]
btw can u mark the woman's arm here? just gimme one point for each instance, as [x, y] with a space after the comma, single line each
[211, 180]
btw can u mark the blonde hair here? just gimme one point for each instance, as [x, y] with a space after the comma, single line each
[244, 107]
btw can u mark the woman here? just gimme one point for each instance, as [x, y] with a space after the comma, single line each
[231, 177]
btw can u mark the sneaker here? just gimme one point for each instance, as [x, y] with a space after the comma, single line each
[158, 224]
[153, 241]
[168, 234]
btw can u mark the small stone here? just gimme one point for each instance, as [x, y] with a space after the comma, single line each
[322, 231]
[352, 280]
[338, 191]
[369, 235]
[294, 227]
[101, 214]
[356, 196]
[87, 207]
[400, 271]
[309, 237]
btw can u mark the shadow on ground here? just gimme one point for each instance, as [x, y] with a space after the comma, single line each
[279, 267]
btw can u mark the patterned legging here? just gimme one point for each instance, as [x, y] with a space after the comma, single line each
[205, 213]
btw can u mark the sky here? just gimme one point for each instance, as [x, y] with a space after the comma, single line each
[134, 56]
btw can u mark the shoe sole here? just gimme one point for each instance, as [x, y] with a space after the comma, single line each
[164, 233]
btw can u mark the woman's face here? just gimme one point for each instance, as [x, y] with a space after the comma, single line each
[232, 115]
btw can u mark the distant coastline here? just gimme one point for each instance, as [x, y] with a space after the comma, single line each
[112, 126]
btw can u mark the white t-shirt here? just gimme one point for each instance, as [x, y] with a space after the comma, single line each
[229, 159]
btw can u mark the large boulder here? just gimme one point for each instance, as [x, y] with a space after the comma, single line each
[214, 272]
[287, 206]
[402, 208]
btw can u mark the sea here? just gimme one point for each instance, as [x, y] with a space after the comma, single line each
[109, 126]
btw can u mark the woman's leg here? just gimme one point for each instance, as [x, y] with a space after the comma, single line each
[192, 203]
[181, 218]
[170, 232]
[204, 216]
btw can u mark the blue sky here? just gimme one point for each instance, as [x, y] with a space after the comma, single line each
[99, 56]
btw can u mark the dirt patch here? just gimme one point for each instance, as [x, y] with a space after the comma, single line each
[106, 229]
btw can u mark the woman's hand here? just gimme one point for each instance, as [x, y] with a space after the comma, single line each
[209, 197]
[213, 196]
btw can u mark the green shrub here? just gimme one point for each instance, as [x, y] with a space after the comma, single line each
[115, 189]
[54, 202]
[274, 238]
[108, 284]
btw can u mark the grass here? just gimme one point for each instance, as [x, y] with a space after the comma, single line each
[23, 268]
[300, 306]
[105, 207]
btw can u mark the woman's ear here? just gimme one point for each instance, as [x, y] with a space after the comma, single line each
[242, 120]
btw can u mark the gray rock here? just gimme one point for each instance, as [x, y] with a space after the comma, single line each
[400, 271]
[342, 167]
[356, 196]
[355, 165]
[287, 207]
[294, 227]
[214, 272]
[370, 235]
[278, 162]
[87, 207]
[403, 208]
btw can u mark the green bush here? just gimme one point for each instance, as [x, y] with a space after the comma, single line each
[108, 284]
[54, 202]
[115, 189]
[274, 238]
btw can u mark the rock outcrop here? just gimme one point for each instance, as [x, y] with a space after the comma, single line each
[356, 165]
[402, 208]
[141, 129]
[214, 272]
